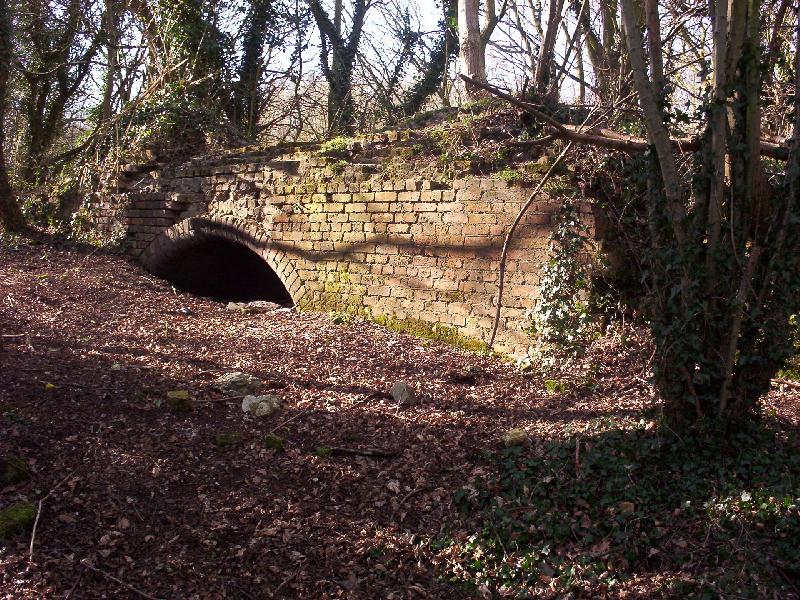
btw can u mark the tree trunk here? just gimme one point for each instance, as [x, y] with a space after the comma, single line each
[112, 42]
[11, 216]
[471, 56]
[544, 64]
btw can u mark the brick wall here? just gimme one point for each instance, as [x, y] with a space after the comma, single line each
[345, 237]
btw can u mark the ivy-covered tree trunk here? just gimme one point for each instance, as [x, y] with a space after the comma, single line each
[431, 79]
[55, 59]
[11, 217]
[338, 55]
[341, 107]
[723, 262]
[246, 103]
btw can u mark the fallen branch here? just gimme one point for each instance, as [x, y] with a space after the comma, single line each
[405, 498]
[790, 383]
[608, 138]
[75, 585]
[85, 562]
[526, 143]
[289, 420]
[374, 452]
[284, 583]
[223, 399]
[39, 513]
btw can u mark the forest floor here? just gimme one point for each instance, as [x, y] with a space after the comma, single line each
[136, 499]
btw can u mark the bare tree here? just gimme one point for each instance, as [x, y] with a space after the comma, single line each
[474, 37]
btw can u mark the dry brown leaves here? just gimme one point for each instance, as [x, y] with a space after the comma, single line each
[151, 501]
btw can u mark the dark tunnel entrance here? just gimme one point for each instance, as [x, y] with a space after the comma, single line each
[222, 270]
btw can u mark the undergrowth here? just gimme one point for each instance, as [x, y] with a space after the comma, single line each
[704, 515]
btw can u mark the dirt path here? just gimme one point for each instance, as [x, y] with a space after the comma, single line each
[143, 495]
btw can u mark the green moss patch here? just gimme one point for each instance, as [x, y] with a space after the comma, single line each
[226, 440]
[16, 518]
[15, 469]
[179, 400]
[432, 331]
[322, 451]
[274, 442]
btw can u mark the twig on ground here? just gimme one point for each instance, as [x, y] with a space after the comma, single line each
[39, 513]
[283, 583]
[405, 498]
[75, 585]
[376, 452]
[85, 562]
[289, 420]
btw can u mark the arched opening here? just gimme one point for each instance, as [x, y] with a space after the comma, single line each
[220, 269]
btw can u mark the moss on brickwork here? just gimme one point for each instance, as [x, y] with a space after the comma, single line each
[331, 303]
[432, 331]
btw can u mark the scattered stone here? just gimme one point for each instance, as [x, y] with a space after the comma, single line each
[15, 470]
[254, 307]
[249, 403]
[185, 311]
[17, 517]
[403, 394]
[469, 376]
[179, 400]
[225, 440]
[273, 442]
[237, 384]
[515, 437]
[261, 406]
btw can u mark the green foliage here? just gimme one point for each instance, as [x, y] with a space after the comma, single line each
[509, 175]
[341, 318]
[554, 386]
[562, 319]
[633, 499]
[338, 146]
[16, 518]
[791, 370]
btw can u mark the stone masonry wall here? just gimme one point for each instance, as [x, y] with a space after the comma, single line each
[344, 237]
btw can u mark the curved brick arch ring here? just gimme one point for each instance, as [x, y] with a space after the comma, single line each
[191, 230]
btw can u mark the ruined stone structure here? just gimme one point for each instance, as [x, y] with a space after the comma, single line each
[344, 236]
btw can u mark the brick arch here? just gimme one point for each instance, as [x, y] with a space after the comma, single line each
[191, 230]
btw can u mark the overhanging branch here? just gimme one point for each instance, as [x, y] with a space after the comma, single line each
[608, 138]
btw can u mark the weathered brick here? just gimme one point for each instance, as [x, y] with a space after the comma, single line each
[443, 268]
